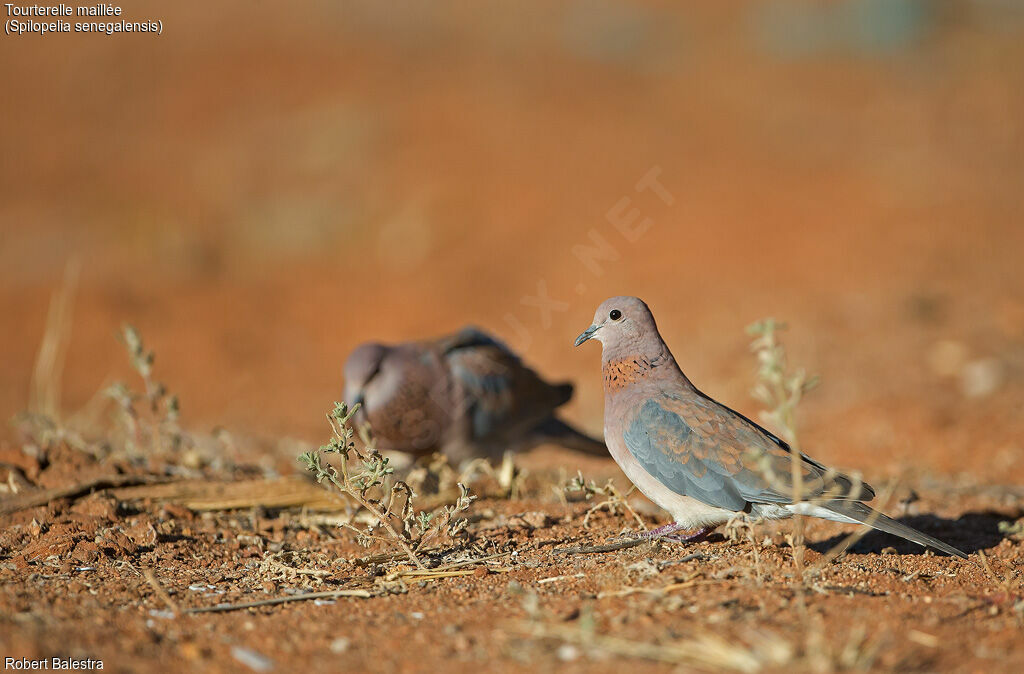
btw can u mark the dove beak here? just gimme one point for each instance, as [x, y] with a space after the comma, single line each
[586, 334]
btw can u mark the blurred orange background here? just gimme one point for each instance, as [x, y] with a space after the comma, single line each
[266, 185]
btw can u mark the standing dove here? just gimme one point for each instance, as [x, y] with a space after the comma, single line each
[466, 395]
[698, 459]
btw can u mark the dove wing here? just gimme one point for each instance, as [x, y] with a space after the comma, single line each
[502, 396]
[702, 449]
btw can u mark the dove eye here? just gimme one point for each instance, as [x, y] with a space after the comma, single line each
[615, 314]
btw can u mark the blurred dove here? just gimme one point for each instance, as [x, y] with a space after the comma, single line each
[466, 395]
[698, 459]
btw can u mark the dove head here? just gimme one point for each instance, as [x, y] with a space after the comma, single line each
[362, 365]
[625, 327]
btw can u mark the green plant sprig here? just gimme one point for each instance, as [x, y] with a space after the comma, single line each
[360, 472]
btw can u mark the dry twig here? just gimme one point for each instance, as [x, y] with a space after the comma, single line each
[45, 496]
[333, 594]
[160, 592]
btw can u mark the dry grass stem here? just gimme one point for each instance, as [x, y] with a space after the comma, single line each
[781, 391]
[704, 650]
[45, 386]
[160, 592]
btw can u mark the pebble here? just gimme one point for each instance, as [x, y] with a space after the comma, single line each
[257, 662]
[981, 377]
[568, 653]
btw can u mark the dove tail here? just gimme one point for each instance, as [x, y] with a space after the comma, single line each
[562, 393]
[558, 432]
[858, 511]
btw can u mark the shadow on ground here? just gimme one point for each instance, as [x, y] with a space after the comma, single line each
[970, 532]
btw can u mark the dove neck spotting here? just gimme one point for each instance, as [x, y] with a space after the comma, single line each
[629, 368]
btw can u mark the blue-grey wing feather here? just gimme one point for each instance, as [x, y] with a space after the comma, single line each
[503, 398]
[695, 464]
[655, 426]
[488, 399]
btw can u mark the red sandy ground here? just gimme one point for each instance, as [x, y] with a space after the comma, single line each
[258, 193]
[73, 586]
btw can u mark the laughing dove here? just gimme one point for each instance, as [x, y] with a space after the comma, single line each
[698, 459]
[466, 395]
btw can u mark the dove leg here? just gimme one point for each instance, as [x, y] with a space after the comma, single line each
[695, 537]
[661, 531]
